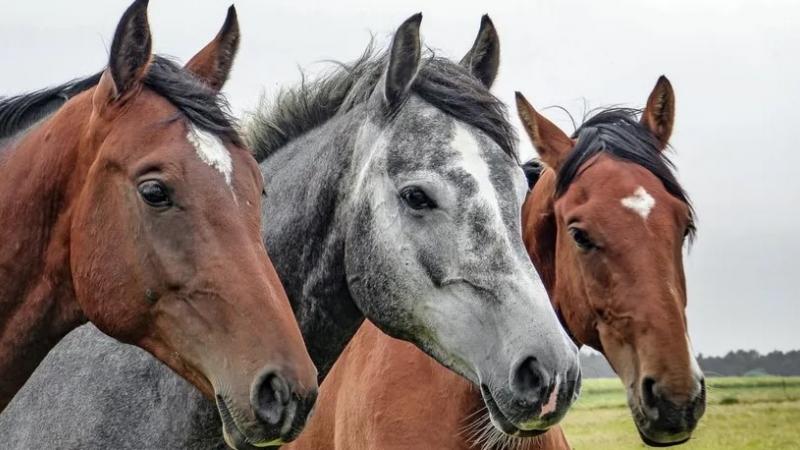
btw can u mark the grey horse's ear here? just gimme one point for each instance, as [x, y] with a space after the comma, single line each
[403, 60]
[213, 63]
[483, 59]
[131, 48]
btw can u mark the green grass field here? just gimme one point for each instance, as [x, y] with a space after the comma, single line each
[758, 413]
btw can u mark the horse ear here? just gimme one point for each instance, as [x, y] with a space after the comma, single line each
[130, 49]
[552, 144]
[213, 63]
[403, 60]
[483, 59]
[659, 114]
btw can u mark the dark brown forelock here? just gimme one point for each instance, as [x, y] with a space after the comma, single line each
[618, 133]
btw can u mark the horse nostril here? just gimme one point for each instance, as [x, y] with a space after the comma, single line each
[529, 380]
[649, 392]
[270, 396]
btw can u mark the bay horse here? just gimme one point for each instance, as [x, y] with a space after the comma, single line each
[605, 226]
[393, 192]
[134, 205]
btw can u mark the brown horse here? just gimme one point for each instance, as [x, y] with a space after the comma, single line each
[135, 206]
[605, 226]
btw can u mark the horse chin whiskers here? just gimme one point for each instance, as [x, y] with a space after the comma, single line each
[482, 433]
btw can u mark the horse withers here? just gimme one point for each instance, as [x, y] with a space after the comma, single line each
[134, 205]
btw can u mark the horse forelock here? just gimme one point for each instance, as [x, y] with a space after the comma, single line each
[618, 133]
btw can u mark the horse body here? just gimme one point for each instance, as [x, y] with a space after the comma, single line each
[107, 414]
[383, 393]
[135, 206]
[393, 193]
[381, 412]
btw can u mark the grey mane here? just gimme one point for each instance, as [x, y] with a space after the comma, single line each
[442, 83]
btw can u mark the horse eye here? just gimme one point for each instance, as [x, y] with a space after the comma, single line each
[154, 193]
[581, 239]
[416, 198]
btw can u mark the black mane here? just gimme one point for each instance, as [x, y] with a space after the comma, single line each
[21, 111]
[444, 84]
[533, 171]
[617, 132]
[202, 106]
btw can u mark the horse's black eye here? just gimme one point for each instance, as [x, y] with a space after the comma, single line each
[154, 193]
[416, 198]
[581, 238]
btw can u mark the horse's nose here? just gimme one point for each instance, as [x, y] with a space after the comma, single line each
[670, 416]
[279, 404]
[649, 395]
[529, 382]
[270, 396]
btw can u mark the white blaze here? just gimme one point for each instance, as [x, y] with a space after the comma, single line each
[696, 371]
[475, 165]
[212, 151]
[640, 202]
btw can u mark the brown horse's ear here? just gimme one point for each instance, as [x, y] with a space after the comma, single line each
[403, 60]
[483, 59]
[213, 63]
[130, 49]
[550, 142]
[659, 114]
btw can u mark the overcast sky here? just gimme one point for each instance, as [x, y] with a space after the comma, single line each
[733, 65]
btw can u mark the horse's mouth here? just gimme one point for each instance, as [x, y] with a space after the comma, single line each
[233, 435]
[648, 434]
[499, 419]
[664, 439]
[653, 443]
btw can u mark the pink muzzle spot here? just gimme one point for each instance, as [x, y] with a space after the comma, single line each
[550, 406]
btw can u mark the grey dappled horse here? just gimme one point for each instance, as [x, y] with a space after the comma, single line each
[393, 192]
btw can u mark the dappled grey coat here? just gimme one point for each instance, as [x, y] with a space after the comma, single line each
[100, 412]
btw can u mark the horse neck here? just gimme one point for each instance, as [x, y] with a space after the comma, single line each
[540, 234]
[540, 229]
[305, 224]
[40, 174]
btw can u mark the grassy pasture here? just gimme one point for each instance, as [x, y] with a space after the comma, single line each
[758, 413]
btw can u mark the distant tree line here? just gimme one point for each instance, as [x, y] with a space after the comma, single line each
[735, 363]
[750, 362]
